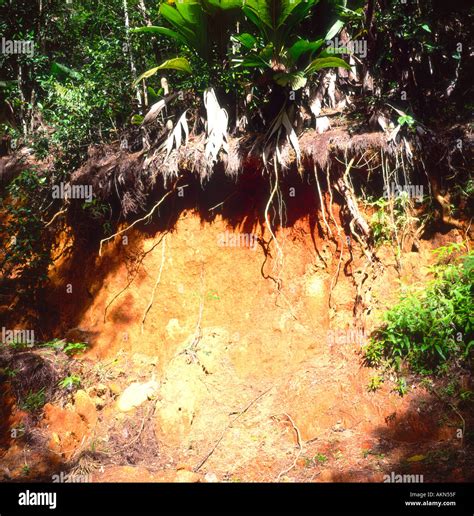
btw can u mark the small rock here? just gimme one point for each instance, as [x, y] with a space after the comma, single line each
[211, 477]
[325, 476]
[186, 476]
[136, 394]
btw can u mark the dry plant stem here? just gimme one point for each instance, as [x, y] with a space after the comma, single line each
[158, 279]
[149, 214]
[300, 448]
[203, 461]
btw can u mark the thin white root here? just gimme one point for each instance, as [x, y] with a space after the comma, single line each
[158, 279]
[300, 448]
[149, 214]
[267, 218]
[55, 216]
[323, 211]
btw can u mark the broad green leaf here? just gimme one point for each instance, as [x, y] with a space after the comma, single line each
[160, 30]
[295, 7]
[246, 39]
[258, 13]
[179, 63]
[225, 5]
[326, 62]
[251, 61]
[334, 30]
[189, 20]
[153, 96]
[297, 15]
[302, 46]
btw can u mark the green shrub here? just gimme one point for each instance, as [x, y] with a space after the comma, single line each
[26, 254]
[431, 328]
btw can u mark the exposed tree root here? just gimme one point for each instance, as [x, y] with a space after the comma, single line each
[132, 279]
[347, 193]
[267, 218]
[336, 275]
[141, 219]
[55, 216]
[323, 211]
[300, 448]
[158, 279]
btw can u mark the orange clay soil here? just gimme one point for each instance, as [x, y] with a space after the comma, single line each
[251, 386]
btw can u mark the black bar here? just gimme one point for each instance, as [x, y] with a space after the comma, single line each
[283, 498]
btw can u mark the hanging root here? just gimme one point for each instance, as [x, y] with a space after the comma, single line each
[267, 218]
[346, 191]
[323, 211]
[336, 275]
[55, 216]
[131, 280]
[279, 258]
[158, 279]
[358, 225]
[148, 215]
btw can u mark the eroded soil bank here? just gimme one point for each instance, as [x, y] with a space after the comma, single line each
[210, 360]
